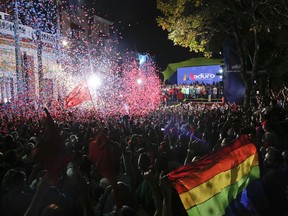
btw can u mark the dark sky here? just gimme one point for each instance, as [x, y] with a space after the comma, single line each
[136, 20]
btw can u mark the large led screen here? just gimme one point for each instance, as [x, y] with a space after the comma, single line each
[200, 74]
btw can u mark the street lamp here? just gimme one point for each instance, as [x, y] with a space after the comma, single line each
[64, 42]
[139, 81]
[94, 82]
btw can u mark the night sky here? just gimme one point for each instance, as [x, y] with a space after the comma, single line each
[136, 20]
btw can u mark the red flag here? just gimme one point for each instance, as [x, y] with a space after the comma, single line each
[78, 95]
[105, 154]
[50, 151]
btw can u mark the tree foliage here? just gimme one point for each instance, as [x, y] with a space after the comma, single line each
[203, 25]
[196, 23]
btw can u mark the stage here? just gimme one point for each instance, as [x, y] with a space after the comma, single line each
[197, 101]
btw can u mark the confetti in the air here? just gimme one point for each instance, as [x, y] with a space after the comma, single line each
[63, 46]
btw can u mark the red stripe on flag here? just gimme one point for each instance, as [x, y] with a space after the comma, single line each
[216, 162]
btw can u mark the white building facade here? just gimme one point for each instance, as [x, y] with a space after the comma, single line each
[36, 74]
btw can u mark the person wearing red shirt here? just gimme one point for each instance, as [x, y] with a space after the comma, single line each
[180, 96]
[164, 99]
[171, 93]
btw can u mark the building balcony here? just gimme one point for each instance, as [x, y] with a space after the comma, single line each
[26, 32]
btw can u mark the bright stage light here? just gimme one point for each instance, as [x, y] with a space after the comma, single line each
[139, 81]
[221, 70]
[64, 42]
[94, 82]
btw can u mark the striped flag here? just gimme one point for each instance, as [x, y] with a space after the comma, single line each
[208, 186]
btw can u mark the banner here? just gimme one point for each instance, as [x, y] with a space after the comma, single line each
[234, 85]
[200, 74]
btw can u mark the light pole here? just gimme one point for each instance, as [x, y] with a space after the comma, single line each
[19, 78]
[58, 53]
[40, 64]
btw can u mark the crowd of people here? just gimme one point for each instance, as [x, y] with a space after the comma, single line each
[145, 148]
[197, 91]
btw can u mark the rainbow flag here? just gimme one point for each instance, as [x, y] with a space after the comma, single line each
[208, 186]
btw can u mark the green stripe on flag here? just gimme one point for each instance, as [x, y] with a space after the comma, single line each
[217, 204]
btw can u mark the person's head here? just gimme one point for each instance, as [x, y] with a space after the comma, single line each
[183, 139]
[206, 135]
[27, 150]
[273, 158]
[14, 134]
[135, 139]
[273, 102]
[73, 138]
[105, 130]
[125, 195]
[144, 162]
[94, 173]
[10, 156]
[225, 142]
[52, 195]
[285, 156]
[164, 147]
[127, 211]
[152, 133]
[222, 135]
[196, 158]
[1, 157]
[104, 183]
[231, 132]
[266, 125]
[18, 179]
[8, 142]
[52, 210]
[162, 162]
[33, 139]
[200, 124]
